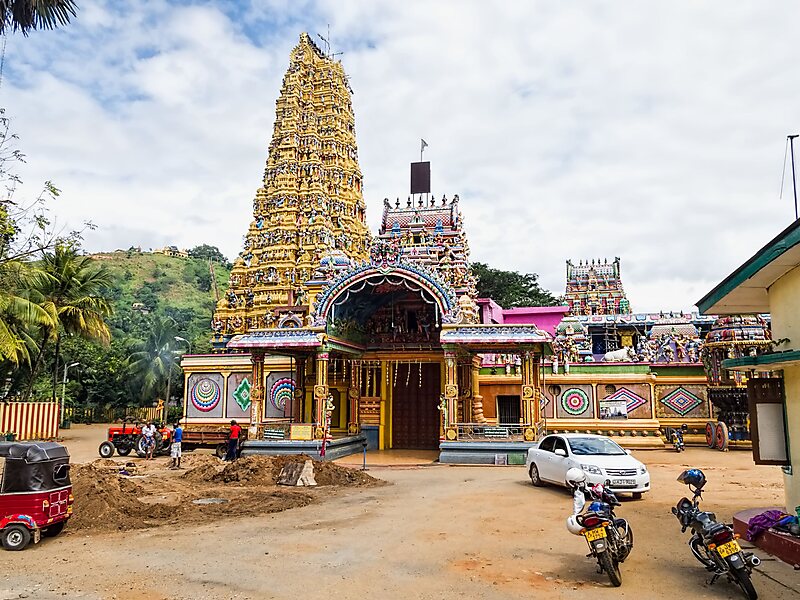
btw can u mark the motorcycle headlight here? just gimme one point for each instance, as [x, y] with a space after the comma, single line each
[591, 469]
[642, 470]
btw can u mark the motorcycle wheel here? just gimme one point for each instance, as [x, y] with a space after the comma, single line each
[123, 451]
[106, 450]
[743, 580]
[611, 567]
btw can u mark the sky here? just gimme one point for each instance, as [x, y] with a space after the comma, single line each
[652, 131]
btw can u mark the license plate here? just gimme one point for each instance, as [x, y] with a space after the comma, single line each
[731, 547]
[626, 482]
[594, 534]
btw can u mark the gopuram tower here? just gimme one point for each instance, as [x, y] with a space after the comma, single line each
[309, 216]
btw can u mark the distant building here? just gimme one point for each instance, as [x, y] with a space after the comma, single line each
[140, 307]
[595, 288]
[172, 251]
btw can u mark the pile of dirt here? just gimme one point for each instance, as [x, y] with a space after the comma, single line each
[264, 471]
[104, 500]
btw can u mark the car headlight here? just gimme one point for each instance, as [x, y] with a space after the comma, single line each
[591, 469]
[642, 470]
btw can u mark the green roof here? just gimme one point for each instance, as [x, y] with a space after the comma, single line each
[745, 290]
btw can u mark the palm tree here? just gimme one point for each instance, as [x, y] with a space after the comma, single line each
[72, 294]
[27, 15]
[154, 359]
[18, 313]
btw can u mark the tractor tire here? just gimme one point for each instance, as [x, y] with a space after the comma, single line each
[15, 537]
[124, 451]
[106, 450]
[221, 450]
[54, 529]
[139, 445]
[710, 434]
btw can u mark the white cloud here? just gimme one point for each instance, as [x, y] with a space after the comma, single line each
[645, 130]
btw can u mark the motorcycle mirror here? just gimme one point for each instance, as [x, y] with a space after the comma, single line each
[674, 511]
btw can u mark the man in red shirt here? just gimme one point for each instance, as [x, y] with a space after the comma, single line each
[233, 441]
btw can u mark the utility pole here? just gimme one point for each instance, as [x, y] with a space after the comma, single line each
[794, 177]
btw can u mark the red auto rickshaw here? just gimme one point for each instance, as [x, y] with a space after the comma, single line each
[35, 492]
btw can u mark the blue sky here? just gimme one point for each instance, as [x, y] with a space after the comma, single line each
[647, 130]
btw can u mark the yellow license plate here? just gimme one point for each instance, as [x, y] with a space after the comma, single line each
[731, 547]
[594, 534]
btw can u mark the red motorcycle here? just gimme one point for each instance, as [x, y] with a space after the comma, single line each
[36, 494]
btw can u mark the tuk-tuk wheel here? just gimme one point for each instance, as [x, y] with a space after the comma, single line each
[54, 529]
[106, 450]
[15, 537]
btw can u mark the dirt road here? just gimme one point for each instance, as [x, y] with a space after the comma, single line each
[463, 532]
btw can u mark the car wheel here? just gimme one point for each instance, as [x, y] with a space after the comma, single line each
[536, 480]
[15, 537]
[106, 450]
[637, 495]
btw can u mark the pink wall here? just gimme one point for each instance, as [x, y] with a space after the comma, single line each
[544, 317]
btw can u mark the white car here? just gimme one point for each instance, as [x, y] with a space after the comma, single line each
[599, 457]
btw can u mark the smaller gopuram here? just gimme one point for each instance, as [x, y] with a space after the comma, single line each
[595, 288]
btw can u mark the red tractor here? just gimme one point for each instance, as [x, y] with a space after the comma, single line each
[36, 494]
[129, 437]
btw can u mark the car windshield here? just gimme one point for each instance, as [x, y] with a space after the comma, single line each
[585, 445]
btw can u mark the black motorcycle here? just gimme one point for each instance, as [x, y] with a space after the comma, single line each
[713, 543]
[610, 538]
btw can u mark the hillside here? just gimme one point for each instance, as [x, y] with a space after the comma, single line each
[146, 283]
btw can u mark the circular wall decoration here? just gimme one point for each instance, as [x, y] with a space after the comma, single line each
[575, 401]
[205, 395]
[281, 391]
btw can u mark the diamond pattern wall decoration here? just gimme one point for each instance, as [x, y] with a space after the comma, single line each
[242, 395]
[632, 401]
[681, 401]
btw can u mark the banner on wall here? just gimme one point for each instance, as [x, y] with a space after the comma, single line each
[613, 409]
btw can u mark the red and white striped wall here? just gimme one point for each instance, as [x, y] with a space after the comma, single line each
[29, 420]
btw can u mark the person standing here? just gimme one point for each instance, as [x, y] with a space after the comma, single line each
[233, 441]
[149, 435]
[175, 448]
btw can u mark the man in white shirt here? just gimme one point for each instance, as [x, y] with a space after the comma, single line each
[149, 434]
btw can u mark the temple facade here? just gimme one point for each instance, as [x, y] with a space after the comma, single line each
[595, 288]
[329, 338]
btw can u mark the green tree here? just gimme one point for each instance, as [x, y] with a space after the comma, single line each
[28, 15]
[207, 252]
[72, 293]
[153, 361]
[511, 289]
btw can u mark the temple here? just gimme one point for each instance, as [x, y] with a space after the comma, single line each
[329, 339]
[595, 288]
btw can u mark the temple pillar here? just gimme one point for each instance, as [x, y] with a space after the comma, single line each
[320, 394]
[299, 390]
[450, 413]
[256, 393]
[354, 395]
[477, 399]
[531, 405]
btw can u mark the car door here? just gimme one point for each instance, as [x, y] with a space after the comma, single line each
[559, 464]
[544, 456]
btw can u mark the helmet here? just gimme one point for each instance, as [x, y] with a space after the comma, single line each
[575, 477]
[573, 526]
[693, 477]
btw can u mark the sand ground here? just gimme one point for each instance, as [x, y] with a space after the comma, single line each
[435, 532]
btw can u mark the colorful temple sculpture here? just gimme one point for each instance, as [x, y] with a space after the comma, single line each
[309, 216]
[329, 338]
[595, 288]
[732, 336]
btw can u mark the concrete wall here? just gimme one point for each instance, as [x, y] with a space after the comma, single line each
[783, 298]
